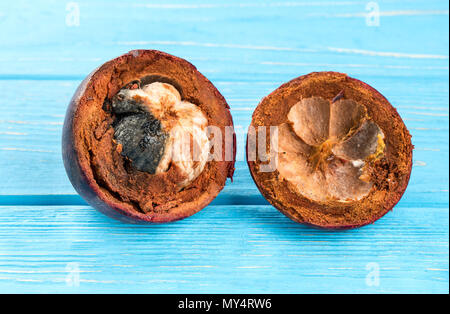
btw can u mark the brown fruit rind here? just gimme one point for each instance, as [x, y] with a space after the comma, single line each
[391, 173]
[89, 164]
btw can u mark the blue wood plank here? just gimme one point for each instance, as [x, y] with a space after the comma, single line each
[222, 249]
[36, 39]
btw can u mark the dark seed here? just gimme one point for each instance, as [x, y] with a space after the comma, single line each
[140, 133]
[151, 127]
[123, 104]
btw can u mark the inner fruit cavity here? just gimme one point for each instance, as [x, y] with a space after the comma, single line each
[155, 129]
[326, 148]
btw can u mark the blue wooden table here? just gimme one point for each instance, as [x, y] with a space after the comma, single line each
[51, 241]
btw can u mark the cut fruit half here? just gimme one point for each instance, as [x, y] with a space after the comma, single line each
[343, 156]
[135, 139]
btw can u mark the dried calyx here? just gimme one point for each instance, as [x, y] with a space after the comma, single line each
[155, 129]
[326, 148]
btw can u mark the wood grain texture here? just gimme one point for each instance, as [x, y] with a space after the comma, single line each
[239, 243]
[223, 249]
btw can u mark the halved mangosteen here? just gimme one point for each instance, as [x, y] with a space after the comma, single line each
[137, 143]
[342, 155]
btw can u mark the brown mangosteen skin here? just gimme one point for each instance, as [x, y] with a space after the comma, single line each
[390, 201]
[87, 187]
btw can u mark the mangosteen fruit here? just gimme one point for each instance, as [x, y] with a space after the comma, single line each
[329, 151]
[137, 142]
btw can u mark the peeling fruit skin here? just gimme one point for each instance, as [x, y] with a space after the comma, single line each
[87, 101]
[392, 172]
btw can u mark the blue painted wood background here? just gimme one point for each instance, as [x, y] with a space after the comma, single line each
[51, 241]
